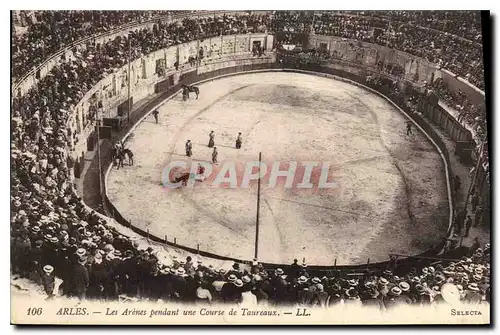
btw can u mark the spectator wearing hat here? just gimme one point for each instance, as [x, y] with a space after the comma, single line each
[422, 296]
[229, 292]
[281, 294]
[406, 296]
[80, 277]
[130, 273]
[304, 295]
[98, 276]
[236, 270]
[372, 299]
[219, 280]
[335, 293]
[383, 287]
[351, 298]
[393, 298]
[472, 294]
[48, 281]
[35, 234]
[179, 285]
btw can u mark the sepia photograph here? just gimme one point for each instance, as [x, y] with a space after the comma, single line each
[250, 167]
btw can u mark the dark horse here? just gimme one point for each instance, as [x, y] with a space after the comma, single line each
[183, 178]
[188, 89]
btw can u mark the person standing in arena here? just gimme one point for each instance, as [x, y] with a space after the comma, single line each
[238, 141]
[214, 155]
[155, 114]
[211, 141]
[189, 148]
[408, 128]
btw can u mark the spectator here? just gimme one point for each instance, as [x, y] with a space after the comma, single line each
[48, 281]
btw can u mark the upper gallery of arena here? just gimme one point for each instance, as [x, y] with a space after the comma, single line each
[451, 39]
[50, 224]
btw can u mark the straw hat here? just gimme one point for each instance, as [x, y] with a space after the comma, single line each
[404, 286]
[302, 279]
[48, 269]
[80, 252]
[473, 287]
[352, 282]
[383, 281]
[396, 290]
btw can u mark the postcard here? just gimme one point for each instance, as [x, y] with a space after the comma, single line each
[250, 167]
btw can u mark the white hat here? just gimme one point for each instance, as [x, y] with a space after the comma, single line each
[396, 290]
[352, 282]
[473, 287]
[383, 281]
[48, 269]
[404, 286]
[81, 252]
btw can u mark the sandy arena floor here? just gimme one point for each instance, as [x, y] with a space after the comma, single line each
[391, 196]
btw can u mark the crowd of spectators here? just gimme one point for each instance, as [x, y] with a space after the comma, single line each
[461, 56]
[54, 234]
[466, 24]
[95, 265]
[414, 32]
[404, 30]
[50, 31]
[470, 114]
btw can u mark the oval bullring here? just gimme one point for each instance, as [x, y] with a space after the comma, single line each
[393, 186]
